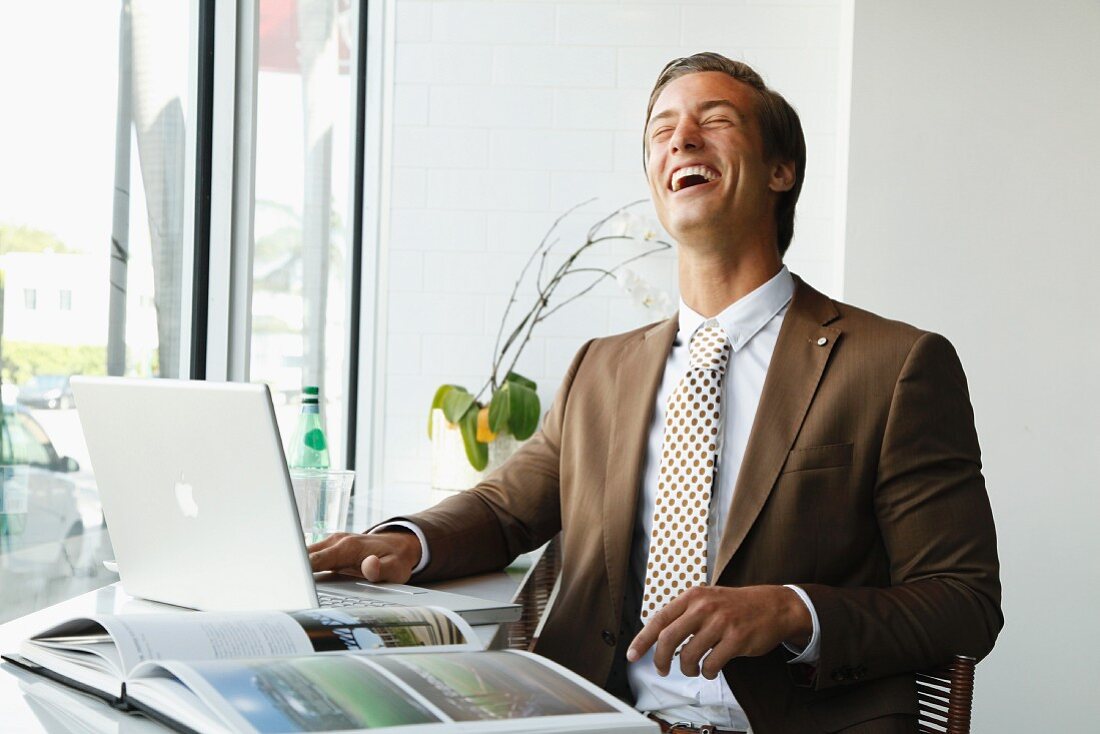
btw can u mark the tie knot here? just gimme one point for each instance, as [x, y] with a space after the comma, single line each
[709, 348]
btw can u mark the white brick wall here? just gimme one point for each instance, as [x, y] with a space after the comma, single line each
[507, 113]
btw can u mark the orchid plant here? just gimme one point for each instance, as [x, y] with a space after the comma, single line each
[512, 405]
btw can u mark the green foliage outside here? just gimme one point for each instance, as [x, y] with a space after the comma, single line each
[15, 238]
[23, 360]
[278, 252]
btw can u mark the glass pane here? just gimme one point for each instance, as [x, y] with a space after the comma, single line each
[305, 108]
[92, 198]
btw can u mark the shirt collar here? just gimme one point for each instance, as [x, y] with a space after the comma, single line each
[746, 316]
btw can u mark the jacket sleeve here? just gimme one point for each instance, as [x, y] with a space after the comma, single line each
[937, 527]
[515, 509]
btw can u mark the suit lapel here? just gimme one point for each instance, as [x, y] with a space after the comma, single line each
[793, 374]
[641, 366]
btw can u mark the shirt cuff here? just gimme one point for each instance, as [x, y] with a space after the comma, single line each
[812, 653]
[425, 556]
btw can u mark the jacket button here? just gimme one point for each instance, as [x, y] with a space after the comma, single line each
[608, 638]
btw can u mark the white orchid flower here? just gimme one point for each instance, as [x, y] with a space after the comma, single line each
[628, 280]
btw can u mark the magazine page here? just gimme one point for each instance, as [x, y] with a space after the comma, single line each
[370, 628]
[498, 685]
[82, 669]
[439, 690]
[309, 694]
[163, 697]
[174, 635]
[83, 642]
[116, 643]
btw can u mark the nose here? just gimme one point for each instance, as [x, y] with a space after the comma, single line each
[685, 137]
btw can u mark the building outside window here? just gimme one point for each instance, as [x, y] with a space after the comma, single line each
[109, 234]
[110, 237]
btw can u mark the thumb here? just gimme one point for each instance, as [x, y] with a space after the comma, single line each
[386, 568]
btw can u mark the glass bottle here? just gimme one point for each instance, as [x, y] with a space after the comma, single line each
[308, 447]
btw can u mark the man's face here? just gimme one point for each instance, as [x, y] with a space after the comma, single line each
[706, 168]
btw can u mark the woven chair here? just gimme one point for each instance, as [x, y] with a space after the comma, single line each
[533, 597]
[944, 695]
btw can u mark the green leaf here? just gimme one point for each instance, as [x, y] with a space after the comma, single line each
[477, 453]
[523, 410]
[457, 403]
[518, 378]
[437, 402]
[499, 409]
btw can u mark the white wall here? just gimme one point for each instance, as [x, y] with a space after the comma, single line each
[974, 210]
[507, 113]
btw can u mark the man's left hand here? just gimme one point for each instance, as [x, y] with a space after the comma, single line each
[725, 622]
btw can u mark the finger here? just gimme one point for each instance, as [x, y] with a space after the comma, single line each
[321, 544]
[325, 542]
[647, 636]
[719, 656]
[669, 641]
[695, 649]
[344, 554]
[332, 558]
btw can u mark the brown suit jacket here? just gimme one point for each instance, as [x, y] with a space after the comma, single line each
[861, 482]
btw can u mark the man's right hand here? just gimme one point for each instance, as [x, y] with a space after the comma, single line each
[390, 555]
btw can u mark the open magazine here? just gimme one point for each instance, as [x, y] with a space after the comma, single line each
[384, 668]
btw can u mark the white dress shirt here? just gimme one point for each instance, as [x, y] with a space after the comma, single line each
[752, 326]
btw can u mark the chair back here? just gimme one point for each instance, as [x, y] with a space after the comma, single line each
[534, 597]
[945, 697]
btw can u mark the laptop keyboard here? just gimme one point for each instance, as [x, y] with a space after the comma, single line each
[328, 600]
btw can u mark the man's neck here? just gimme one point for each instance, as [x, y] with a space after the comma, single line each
[710, 281]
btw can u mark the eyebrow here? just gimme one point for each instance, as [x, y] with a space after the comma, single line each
[703, 107]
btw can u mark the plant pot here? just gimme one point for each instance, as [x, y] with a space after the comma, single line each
[451, 470]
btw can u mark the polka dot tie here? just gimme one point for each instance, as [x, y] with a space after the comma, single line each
[678, 543]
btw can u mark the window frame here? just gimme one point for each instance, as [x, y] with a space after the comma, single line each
[224, 212]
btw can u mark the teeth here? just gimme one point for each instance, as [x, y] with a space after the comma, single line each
[681, 174]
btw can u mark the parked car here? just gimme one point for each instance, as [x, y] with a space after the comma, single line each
[47, 391]
[46, 509]
[23, 442]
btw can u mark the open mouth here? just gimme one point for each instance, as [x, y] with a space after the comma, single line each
[690, 176]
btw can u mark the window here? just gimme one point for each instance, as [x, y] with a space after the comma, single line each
[125, 235]
[304, 168]
[108, 234]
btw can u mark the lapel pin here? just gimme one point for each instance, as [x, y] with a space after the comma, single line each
[822, 341]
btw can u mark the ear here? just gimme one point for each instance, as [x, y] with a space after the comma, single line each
[783, 175]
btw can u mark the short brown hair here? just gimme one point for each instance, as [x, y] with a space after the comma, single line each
[779, 124]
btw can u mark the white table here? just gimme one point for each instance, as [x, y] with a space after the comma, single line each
[21, 712]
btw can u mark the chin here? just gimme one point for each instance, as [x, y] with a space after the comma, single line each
[690, 223]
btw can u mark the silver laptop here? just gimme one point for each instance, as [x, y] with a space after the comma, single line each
[200, 508]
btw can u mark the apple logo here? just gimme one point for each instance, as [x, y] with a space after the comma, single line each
[185, 498]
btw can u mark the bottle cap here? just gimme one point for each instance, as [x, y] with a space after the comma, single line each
[311, 390]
